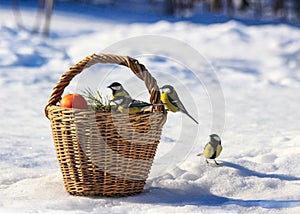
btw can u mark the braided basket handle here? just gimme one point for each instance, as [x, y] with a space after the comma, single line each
[138, 69]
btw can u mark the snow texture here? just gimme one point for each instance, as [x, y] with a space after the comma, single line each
[256, 66]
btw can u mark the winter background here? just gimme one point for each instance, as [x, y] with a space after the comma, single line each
[256, 64]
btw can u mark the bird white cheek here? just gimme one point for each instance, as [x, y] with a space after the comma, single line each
[217, 138]
[116, 88]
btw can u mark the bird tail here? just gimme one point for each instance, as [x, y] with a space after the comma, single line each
[190, 116]
[199, 154]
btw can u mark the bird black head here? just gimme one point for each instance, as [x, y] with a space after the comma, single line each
[167, 89]
[215, 138]
[115, 86]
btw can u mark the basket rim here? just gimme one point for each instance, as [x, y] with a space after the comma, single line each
[101, 111]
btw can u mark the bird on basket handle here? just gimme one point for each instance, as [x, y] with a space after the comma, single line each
[212, 149]
[172, 102]
[122, 102]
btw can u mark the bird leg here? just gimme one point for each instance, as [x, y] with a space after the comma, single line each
[216, 162]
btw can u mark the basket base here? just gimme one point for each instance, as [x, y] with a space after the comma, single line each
[135, 189]
[116, 195]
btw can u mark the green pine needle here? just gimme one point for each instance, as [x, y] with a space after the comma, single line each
[96, 101]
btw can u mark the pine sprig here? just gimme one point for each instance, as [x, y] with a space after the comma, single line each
[96, 101]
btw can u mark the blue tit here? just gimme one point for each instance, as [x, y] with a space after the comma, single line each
[129, 106]
[172, 102]
[118, 90]
[213, 148]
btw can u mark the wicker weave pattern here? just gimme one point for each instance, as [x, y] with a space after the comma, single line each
[101, 153]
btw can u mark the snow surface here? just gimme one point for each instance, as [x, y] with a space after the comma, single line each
[249, 76]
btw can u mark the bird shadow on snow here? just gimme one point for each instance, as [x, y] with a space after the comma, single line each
[248, 172]
[198, 196]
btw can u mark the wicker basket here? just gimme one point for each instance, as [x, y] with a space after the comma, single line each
[104, 153]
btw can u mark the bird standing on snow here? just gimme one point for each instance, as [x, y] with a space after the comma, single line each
[213, 148]
[172, 102]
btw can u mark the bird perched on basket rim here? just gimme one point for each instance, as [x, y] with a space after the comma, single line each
[121, 101]
[129, 106]
[212, 149]
[170, 99]
[118, 90]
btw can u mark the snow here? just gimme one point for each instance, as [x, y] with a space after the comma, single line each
[239, 80]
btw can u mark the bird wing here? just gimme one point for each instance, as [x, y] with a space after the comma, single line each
[208, 151]
[176, 102]
[174, 99]
[138, 103]
[219, 150]
[130, 106]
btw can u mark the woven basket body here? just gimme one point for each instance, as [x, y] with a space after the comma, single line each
[104, 153]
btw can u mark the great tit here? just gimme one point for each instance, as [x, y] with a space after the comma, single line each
[172, 102]
[118, 90]
[213, 148]
[121, 101]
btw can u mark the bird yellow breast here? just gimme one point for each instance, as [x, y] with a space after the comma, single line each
[164, 99]
[208, 151]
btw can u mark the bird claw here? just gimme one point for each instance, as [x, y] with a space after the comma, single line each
[214, 161]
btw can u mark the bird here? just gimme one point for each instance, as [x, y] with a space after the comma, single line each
[118, 90]
[172, 102]
[129, 106]
[212, 149]
[122, 102]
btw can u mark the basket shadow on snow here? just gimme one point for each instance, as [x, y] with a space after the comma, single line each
[203, 198]
[198, 196]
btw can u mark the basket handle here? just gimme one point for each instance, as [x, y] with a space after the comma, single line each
[138, 69]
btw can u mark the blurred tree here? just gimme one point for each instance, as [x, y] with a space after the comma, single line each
[173, 6]
[279, 8]
[297, 8]
[258, 8]
[230, 8]
[216, 5]
[169, 7]
[244, 5]
[45, 8]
